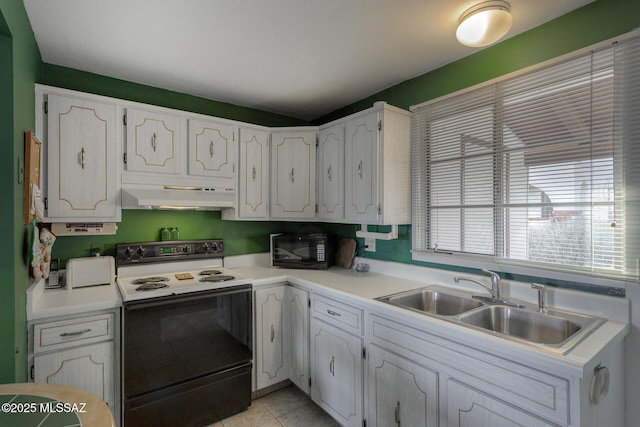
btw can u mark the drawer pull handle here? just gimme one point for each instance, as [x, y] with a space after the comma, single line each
[74, 333]
[83, 158]
[211, 149]
[154, 142]
[397, 414]
[273, 333]
[360, 169]
[332, 365]
[333, 313]
[253, 173]
[329, 173]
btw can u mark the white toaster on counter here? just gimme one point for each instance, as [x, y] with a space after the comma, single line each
[90, 271]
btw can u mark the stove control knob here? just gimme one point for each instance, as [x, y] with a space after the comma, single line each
[128, 252]
[186, 249]
[206, 247]
[141, 252]
[215, 247]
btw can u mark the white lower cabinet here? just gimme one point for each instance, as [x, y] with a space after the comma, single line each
[401, 392]
[297, 315]
[271, 366]
[88, 367]
[78, 351]
[282, 336]
[336, 372]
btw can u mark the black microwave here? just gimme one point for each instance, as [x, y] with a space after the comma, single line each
[312, 251]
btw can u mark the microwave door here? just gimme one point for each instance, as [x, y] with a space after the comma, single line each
[283, 254]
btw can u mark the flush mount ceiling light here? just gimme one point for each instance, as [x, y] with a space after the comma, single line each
[484, 23]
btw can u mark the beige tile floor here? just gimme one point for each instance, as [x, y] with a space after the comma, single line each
[287, 407]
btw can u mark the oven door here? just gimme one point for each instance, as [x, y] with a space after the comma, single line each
[187, 358]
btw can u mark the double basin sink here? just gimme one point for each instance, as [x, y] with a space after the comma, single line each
[555, 330]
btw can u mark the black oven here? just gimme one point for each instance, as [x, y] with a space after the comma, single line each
[187, 357]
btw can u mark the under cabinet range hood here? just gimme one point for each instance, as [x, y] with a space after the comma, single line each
[176, 197]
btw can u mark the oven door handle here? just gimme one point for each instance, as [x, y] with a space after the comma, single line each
[187, 297]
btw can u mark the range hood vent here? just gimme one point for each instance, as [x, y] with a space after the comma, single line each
[177, 197]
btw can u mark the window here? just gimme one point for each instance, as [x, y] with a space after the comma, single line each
[537, 171]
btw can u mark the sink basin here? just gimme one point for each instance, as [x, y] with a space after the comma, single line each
[555, 330]
[433, 302]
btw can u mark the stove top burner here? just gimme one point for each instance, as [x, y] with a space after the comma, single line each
[151, 286]
[209, 272]
[153, 279]
[216, 278]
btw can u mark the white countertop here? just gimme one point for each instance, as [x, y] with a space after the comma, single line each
[44, 303]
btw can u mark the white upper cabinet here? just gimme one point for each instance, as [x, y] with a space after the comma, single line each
[362, 169]
[212, 149]
[253, 192]
[331, 172]
[293, 172]
[81, 160]
[377, 166]
[153, 142]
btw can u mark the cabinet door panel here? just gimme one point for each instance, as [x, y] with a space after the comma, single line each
[271, 364]
[298, 336]
[336, 365]
[331, 173]
[81, 159]
[153, 142]
[254, 173]
[212, 149]
[293, 170]
[361, 157]
[89, 368]
[401, 392]
[468, 407]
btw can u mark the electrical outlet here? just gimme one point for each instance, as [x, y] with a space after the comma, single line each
[369, 244]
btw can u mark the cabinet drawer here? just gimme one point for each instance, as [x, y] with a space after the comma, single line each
[71, 332]
[338, 314]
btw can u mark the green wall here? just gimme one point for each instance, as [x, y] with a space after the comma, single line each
[20, 67]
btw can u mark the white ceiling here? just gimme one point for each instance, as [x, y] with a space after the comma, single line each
[300, 58]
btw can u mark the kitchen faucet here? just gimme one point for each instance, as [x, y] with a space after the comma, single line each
[495, 283]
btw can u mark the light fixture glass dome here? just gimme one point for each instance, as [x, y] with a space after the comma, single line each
[484, 23]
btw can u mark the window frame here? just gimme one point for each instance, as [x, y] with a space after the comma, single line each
[420, 219]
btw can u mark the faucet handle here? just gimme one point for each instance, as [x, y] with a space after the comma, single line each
[542, 297]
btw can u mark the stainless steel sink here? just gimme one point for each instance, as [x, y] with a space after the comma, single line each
[556, 330]
[433, 302]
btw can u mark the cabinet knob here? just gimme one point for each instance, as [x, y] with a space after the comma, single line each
[211, 149]
[397, 414]
[154, 142]
[293, 175]
[82, 158]
[329, 173]
[273, 333]
[253, 173]
[360, 169]
[332, 365]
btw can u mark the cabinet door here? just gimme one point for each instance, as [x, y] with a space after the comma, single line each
[336, 372]
[254, 173]
[331, 173]
[212, 149]
[468, 407]
[81, 159]
[271, 364]
[89, 368]
[293, 171]
[361, 164]
[153, 142]
[297, 301]
[401, 392]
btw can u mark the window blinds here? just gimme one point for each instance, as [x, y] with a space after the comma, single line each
[541, 169]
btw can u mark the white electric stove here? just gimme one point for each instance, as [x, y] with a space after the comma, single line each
[157, 269]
